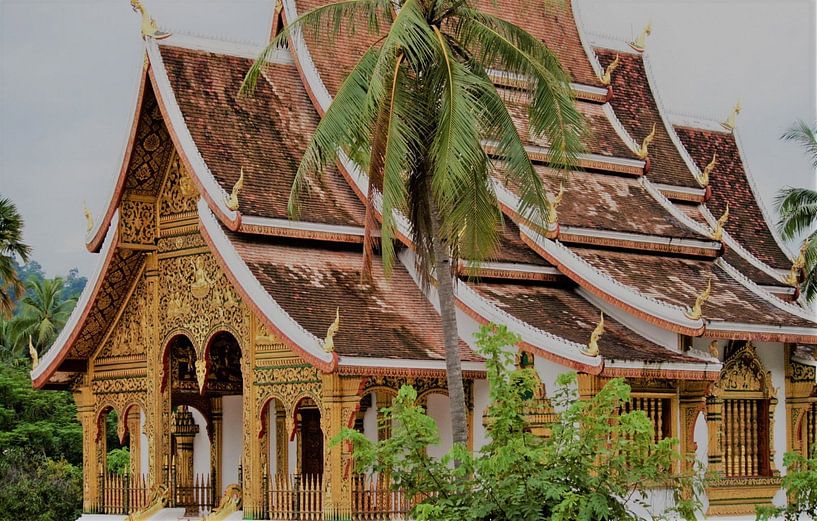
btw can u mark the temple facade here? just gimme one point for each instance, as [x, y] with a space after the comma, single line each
[226, 344]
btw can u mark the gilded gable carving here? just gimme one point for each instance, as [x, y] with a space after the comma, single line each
[131, 333]
[180, 193]
[744, 372]
[136, 222]
[150, 150]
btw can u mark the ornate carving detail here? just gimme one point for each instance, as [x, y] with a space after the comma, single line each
[230, 502]
[180, 243]
[704, 179]
[644, 150]
[89, 218]
[696, 311]
[607, 77]
[744, 371]
[329, 341]
[729, 124]
[232, 200]
[130, 333]
[179, 193]
[638, 45]
[793, 278]
[717, 233]
[593, 343]
[150, 152]
[802, 372]
[553, 206]
[200, 286]
[148, 26]
[136, 222]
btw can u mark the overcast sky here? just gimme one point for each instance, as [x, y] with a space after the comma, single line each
[68, 74]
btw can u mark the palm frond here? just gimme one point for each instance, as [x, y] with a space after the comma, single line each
[328, 20]
[798, 211]
[804, 135]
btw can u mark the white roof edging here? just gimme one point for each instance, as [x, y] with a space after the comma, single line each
[287, 224]
[665, 203]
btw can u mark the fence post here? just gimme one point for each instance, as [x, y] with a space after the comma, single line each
[173, 482]
[265, 491]
[127, 493]
[100, 502]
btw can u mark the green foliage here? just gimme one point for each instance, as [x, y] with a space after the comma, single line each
[11, 247]
[119, 461]
[596, 465]
[38, 489]
[800, 484]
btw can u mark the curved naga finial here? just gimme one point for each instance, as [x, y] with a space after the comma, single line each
[230, 503]
[707, 171]
[148, 27]
[553, 208]
[799, 263]
[729, 124]
[643, 150]
[638, 45]
[89, 218]
[593, 343]
[717, 233]
[608, 72]
[232, 200]
[329, 341]
[157, 502]
[35, 359]
[695, 312]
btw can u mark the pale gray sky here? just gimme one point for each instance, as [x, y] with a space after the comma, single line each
[68, 73]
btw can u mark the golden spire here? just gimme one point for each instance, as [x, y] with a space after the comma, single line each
[717, 233]
[553, 207]
[35, 359]
[593, 343]
[799, 263]
[148, 27]
[639, 43]
[329, 341]
[232, 200]
[729, 124]
[643, 150]
[89, 218]
[695, 312]
[608, 72]
[704, 180]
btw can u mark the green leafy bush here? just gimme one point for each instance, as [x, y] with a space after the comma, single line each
[596, 465]
[36, 488]
[800, 484]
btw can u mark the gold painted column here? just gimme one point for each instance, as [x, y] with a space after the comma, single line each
[714, 421]
[251, 419]
[216, 440]
[184, 433]
[157, 401]
[281, 441]
[90, 480]
[135, 446]
[339, 403]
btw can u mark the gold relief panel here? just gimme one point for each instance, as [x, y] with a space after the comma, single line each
[136, 223]
[150, 151]
[179, 193]
[131, 333]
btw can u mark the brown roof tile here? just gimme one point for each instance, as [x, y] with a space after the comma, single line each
[265, 134]
[680, 280]
[636, 108]
[730, 184]
[562, 312]
[390, 318]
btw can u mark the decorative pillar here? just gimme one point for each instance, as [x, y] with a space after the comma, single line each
[216, 437]
[339, 403]
[90, 480]
[157, 401]
[281, 440]
[714, 419]
[184, 433]
[134, 420]
[251, 418]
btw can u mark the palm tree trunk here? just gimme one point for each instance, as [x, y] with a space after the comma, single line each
[448, 316]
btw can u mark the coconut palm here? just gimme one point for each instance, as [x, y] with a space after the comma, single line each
[416, 113]
[798, 209]
[42, 316]
[11, 246]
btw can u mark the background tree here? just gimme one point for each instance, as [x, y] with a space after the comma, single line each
[415, 113]
[43, 313]
[597, 464]
[798, 209]
[11, 246]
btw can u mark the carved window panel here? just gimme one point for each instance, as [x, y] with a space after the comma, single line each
[659, 411]
[746, 438]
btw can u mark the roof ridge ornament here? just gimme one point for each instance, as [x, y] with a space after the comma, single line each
[329, 341]
[89, 217]
[553, 206]
[638, 45]
[148, 27]
[607, 77]
[593, 343]
[717, 233]
[35, 359]
[695, 312]
[232, 200]
[729, 124]
[799, 263]
[707, 171]
[643, 150]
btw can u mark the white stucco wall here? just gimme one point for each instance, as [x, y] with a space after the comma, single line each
[232, 438]
[201, 445]
[481, 402]
[439, 409]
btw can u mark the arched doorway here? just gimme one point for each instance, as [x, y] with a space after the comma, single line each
[310, 438]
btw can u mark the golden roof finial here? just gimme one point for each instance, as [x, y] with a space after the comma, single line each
[695, 312]
[729, 124]
[89, 218]
[553, 207]
[799, 263]
[704, 179]
[608, 72]
[35, 359]
[232, 200]
[593, 343]
[643, 150]
[329, 341]
[148, 27]
[639, 43]
[717, 233]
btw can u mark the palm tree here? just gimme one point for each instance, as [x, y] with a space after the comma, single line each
[42, 316]
[11, 245]
[416, 113]
[798, 209]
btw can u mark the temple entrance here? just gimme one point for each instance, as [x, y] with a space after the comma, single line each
[311, 442]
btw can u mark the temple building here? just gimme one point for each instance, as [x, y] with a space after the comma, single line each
[202, 340]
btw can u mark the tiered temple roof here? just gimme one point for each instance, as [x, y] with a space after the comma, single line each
[637, 234]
